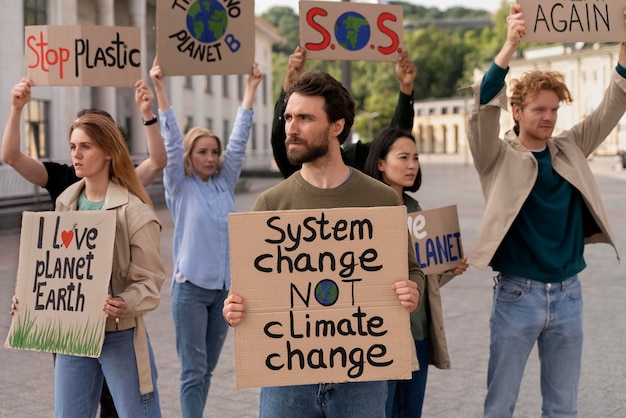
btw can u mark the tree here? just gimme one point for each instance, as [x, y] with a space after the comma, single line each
[288, 24]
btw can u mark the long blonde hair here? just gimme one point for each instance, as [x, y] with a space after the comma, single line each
[189, 141]
[107, 136]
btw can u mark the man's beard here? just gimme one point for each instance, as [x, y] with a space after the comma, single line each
[310, 153]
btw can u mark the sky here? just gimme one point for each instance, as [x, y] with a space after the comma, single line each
[261, 6]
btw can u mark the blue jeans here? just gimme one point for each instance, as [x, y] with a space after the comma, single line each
[78, 381]
[406, 397]
[200, 334]
[325, 400]
[525, 311]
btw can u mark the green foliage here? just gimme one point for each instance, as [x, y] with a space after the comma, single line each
[288, 24]
[416, 12]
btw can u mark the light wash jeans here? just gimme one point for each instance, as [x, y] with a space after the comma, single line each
[78, 381]
[200, 334]
[406, 397]
[524, 312]
[325, 400]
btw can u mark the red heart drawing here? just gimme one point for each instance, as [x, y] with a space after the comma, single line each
[67, 237]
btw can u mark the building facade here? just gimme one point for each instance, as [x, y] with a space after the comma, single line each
[207, 101]
[440, 125]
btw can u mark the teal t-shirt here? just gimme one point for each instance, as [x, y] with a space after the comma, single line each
[546, 241]
[84, 204]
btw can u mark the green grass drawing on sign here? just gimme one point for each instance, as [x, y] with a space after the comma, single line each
[78, 340]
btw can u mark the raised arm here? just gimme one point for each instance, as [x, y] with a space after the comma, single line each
[158, 80]
[28, 167]
[404, 113]
[296, 66]
[516, 29]
[149, 168]
[355, 154]
[490, 97]
[253, 80]
[235, 153]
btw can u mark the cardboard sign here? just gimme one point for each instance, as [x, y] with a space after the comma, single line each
[63, 277]
[351, 31]
[205, 37]
[83, 55]
[317, 286]
[437, 239]
[574, 20]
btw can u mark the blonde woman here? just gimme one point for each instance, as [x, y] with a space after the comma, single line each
[199, 186]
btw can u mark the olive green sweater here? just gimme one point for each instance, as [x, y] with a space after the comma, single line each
[359, 190]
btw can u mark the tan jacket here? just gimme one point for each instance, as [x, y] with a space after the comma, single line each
[508, 171]
[138, 271]
[439, 356]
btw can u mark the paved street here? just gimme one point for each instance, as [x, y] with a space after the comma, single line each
[26, 378]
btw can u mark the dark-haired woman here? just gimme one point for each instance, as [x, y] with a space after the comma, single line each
[394, 160]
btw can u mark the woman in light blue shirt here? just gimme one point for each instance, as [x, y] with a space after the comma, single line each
[199, 191]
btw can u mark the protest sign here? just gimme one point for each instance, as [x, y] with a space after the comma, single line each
[317, 286]
[437, 239]
[574, 20]
[351, 31]
[205, 37]
[83, 55]
[63, 275]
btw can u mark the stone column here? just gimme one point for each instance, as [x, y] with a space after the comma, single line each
[104, 97]
[137, 12]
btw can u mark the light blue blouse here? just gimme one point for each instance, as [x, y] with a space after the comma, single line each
[200, 210]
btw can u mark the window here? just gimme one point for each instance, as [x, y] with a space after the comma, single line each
[240, 86]
[208, 84]
[253, 137]
[225, 131]
[188, 84]
[35, 12]
[36, 128]
[188, 123]
[264, 90]
[225, 90]
[209, 124]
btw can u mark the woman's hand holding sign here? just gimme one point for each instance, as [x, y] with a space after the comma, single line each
[114, 307]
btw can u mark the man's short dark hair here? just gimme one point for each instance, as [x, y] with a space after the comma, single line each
[339, 103]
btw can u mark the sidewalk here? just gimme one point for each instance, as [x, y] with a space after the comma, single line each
[26, 381]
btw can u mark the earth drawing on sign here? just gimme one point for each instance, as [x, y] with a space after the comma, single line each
[207, 20]
[326, 292]
[352, 31]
